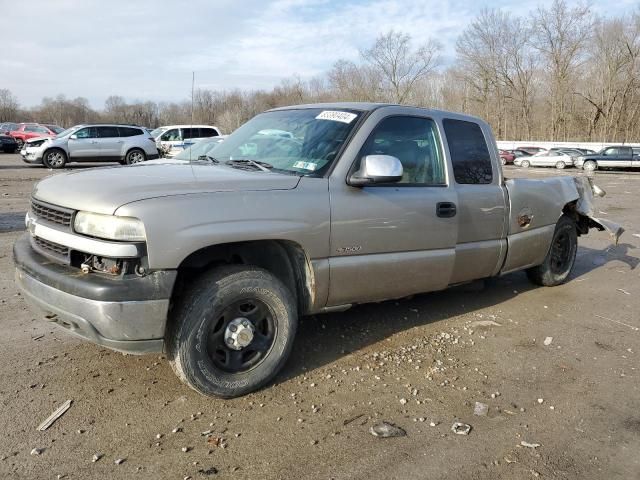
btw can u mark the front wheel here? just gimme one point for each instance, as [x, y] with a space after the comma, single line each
[135, 156]
[232, 331]
[503, 160]
[561, 256]
[589, 165]
[54, 158]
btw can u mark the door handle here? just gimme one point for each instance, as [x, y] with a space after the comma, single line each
[446, 209]
[94, 141]
[120, 141]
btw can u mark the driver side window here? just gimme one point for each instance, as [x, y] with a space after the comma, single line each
[415, 142]
[89, 132]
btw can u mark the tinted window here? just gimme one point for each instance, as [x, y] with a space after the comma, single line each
[208, 132]
[171, 135]
[89, 132]
[129, 131]
[469, 153]
[412, 140]
[189, 133]
[108, 132]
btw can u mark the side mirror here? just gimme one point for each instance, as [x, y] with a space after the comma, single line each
[73, 137]
[377, 169]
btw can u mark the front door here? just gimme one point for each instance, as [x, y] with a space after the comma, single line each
[84, 145]
[397, 239]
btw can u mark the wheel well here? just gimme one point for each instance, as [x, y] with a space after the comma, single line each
[284, 259]
[55, 148]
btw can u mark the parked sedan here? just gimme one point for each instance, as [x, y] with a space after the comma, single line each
[506, 157]
[545, 159]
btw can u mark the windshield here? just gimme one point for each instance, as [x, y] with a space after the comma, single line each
[301, 142]
[55, 129]
[157, 132]
[68, 131]
[197, 150]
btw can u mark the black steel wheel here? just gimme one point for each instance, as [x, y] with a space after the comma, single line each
[557, 265]
[232, 331]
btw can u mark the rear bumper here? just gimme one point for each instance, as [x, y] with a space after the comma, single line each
[124, 314]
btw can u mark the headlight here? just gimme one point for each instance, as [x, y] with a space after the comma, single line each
[110, 227]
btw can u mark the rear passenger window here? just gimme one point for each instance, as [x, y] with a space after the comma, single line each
[208, 132]
[108, 132]
[129, 131]
[469, 153]
[188, 133]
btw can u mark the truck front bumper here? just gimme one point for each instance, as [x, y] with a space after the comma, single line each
[124, 314]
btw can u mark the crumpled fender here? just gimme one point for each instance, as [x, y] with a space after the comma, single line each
[584, 207]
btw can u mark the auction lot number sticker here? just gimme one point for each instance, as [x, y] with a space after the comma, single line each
[337, 116]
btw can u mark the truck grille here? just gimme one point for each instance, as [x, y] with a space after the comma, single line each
[58, 251]
[51, 213]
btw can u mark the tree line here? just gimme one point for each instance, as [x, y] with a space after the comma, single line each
[559, 73]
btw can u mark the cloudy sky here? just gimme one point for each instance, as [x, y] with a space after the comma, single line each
[147, 50]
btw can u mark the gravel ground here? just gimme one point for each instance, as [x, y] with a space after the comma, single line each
[557, 368]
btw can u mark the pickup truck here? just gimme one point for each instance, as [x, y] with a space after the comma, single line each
[619, 156]
[213, 260]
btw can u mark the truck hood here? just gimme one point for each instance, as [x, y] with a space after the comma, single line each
[103, 190]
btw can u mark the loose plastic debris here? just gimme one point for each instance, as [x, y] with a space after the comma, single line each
[529, 445]
[480, 409]
[37, 451]
[461, 428]
[387, 430]
[548, 340]
[54, 416]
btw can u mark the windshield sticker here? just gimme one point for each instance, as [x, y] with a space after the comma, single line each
[306, 165]
[336, 116]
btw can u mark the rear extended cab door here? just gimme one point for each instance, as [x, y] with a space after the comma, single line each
[482, 204]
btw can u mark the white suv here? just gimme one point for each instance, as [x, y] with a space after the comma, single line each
[92, 143]
[175, 138]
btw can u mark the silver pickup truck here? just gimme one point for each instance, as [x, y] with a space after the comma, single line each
[302, 210]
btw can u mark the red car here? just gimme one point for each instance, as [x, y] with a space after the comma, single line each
[506, 157]
[25, 131]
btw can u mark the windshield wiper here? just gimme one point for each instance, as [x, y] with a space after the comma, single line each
[241, 162]
[209, 158]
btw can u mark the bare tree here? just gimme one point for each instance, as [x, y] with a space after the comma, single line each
[561, 35]
[8, 106]
[398, 65]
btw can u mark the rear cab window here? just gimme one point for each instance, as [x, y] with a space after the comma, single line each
[470, 155]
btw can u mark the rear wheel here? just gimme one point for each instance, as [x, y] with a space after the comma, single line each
[232, 331]
[590, 165]
[526, 163]
[54, 158]
[20, 143]
[560, 165]
[561, 256]
[135, 156]
[503, 160]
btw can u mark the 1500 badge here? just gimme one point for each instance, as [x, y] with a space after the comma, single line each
[353, 249]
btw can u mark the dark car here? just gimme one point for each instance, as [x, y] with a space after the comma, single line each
[7, 127]
[8, 144]
[615, 156]
[506, 157]
[517, 153]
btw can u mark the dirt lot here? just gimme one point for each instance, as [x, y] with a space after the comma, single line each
[419, 363]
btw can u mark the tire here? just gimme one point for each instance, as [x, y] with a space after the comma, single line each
[503, 160]
[135, 155]
[526, 163]
[54, 158]
[560, 165]
[20, 143]
[561, 256]
[590, 166]
[198, 336]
